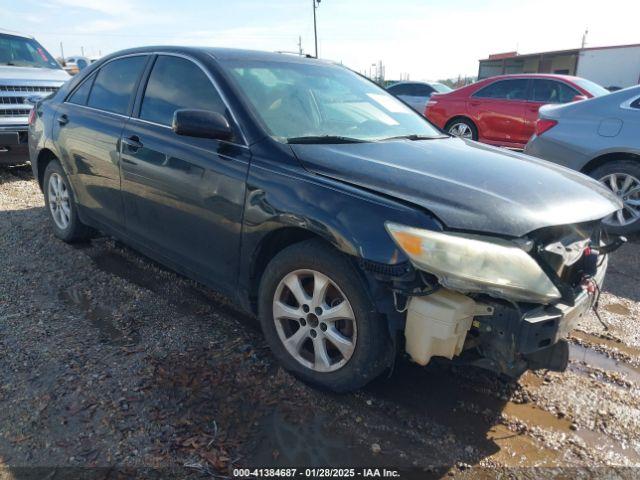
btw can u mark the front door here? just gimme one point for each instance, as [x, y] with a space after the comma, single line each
[184, 196]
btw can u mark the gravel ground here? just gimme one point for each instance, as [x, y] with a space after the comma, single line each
[109, 360]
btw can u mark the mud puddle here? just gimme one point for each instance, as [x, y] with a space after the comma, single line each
[607, 343]
[617, 309]
[593, 358]
[99, 318]
[608, 447]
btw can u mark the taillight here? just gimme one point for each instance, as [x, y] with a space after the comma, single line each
[32, 116]
[543, 124]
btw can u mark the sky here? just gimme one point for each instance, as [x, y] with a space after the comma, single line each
[425, 40]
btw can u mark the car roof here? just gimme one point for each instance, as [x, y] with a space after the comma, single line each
[412, 82]
[225, 54]
[556, 76]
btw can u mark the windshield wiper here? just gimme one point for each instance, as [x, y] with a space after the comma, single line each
[324, 139]
[413, 137]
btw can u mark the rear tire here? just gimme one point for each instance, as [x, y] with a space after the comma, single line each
[61, 206]
[325, 329]
[462, 127]
[623, 178]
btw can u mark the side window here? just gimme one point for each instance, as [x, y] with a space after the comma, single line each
[552, 91]
[113, 87]
[635, 103]
[504, 89]
[177, 83]
[80, 95]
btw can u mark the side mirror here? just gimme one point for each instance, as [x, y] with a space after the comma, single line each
[202, 124]
[578, 98]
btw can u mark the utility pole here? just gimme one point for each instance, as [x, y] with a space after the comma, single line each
[584, 37]
[61, 51]
[300, 45]
[82, 51]
[316, 3]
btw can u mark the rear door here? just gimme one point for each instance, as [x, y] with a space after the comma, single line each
[499, 112]
[542, 92]
[184, 196]
[87, 131]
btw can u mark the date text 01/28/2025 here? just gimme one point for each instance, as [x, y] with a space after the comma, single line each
[315, 473]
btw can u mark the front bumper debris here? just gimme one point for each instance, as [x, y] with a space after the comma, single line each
[498, 335]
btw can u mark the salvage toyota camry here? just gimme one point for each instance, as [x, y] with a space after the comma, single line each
[345, 221]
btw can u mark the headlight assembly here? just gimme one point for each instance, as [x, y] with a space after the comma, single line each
[476, 264]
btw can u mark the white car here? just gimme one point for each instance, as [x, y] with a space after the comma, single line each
[73, 65]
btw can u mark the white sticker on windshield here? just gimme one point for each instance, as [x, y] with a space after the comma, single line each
[388, 102]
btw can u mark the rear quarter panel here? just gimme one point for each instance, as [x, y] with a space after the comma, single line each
[445, 109]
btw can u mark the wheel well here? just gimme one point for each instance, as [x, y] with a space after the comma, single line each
[44, 157]
[608, 157]
[459, 117]
[270, 246]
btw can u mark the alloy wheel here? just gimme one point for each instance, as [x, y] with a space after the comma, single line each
[314, 320]
[627, 188]
[59, 201]
[461, 129]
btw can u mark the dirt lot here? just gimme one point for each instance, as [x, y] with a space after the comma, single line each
[109, 359]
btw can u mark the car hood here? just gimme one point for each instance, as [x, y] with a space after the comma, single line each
[467, 185]
[53, 75]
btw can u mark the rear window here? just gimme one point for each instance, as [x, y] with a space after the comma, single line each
[81, 94]
[113, 87]
[441, 88]
[591, 87]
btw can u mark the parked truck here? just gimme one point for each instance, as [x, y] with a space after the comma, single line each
[27, 73]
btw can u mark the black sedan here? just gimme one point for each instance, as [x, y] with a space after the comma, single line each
[313, 198]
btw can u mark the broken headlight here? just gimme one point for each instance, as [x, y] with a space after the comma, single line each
[471, 263]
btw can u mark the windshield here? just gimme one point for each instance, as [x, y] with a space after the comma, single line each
[591, 87]
[441, 88]
[24, 52]
[323, 103]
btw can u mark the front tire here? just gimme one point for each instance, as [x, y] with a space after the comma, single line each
[319, 319]
[61, 206]
[622, 177]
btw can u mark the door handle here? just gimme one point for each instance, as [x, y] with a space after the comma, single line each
[133, 142]
[63, 119]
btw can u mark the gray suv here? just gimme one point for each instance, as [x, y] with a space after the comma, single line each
[27, 73]
[598, 137]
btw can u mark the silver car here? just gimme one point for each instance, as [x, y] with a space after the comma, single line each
[599, 137]
[417, 94]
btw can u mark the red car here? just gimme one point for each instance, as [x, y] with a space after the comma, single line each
[503, 110]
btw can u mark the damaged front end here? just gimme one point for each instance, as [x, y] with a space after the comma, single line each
[504, 305]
